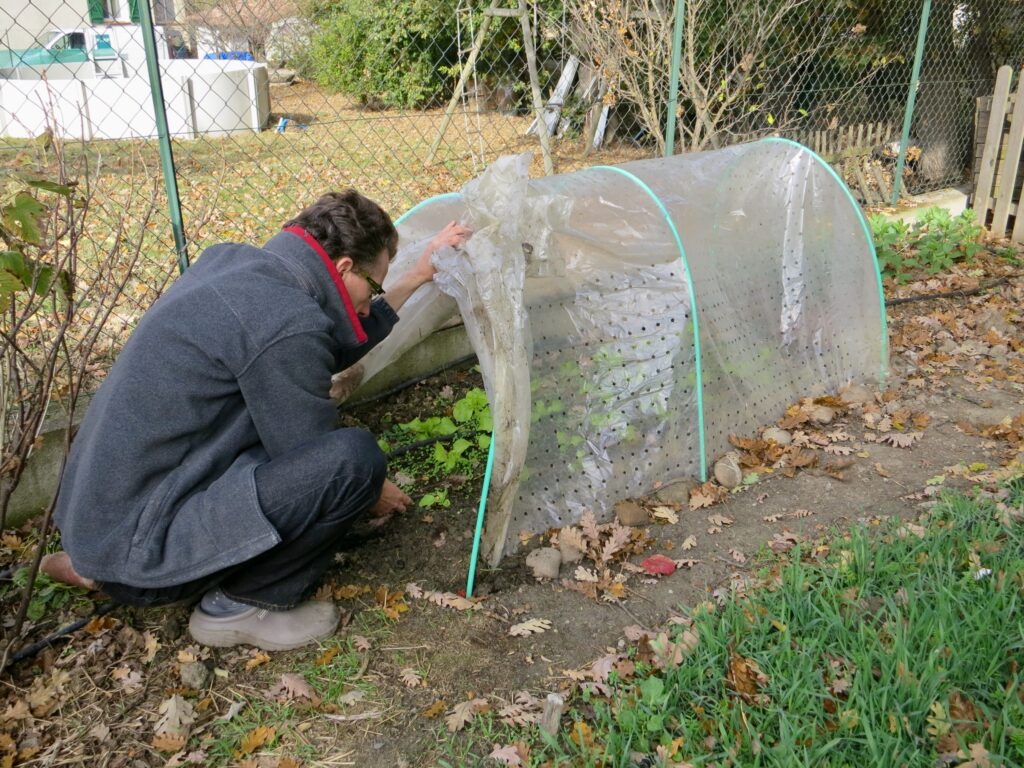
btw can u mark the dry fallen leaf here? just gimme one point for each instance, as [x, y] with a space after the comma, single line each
[463, 712]
[327, 656]
[255, 739]
[689, 543]
[506, 755]
[746, 678]
[434, 709]
[410, 677]
[258, 658]
[738, 556]
[901, 440]
[720, 520]
[360, 643]
[529, 627]
[293, 686]
[168, 742]
[172, 729]
[666, 515]
[152, 645]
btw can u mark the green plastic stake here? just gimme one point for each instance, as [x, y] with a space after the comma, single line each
[673, 86]
[481, 510]
[908, 115]
[164, 135]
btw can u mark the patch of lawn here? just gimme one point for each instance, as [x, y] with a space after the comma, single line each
[898, 647]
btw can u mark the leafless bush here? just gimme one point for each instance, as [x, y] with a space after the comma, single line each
[740, 67]
[61, 287]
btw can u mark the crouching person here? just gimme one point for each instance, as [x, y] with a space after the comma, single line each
[209, 465]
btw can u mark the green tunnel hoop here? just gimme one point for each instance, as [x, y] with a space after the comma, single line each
[884, 369]
[486, 486]
[693, 307]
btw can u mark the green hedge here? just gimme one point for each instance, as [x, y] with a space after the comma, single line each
[406, 55]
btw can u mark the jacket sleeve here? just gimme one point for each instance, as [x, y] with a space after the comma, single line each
[287, 391]
[377, 326]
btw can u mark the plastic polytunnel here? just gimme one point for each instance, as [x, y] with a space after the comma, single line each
[629, 319]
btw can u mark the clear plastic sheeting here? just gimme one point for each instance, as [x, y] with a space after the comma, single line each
[629, 319]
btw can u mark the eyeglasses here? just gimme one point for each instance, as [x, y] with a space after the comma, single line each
[376, 289]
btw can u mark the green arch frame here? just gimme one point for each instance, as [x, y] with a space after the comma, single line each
[884, 368]
[693, 306]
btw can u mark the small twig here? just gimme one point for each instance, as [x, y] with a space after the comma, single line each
[950, 294]
[372, 714]
[363, 666]
[629, 613]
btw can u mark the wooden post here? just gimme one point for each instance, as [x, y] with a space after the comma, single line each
[982, 193]
[1011, 164]
[538, 101]
[550, 721]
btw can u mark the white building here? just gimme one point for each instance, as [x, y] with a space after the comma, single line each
[23, 22]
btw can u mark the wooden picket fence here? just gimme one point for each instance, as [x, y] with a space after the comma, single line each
[998, 198]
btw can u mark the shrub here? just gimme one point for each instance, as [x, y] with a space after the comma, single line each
[407, 56]
[392, 59]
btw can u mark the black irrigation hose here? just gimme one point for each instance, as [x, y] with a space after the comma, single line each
[950, 294]
[46, 642]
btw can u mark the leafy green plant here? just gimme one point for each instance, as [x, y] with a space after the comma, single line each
[932, 244]
[438, 498]
[453, 444]
[48, 596]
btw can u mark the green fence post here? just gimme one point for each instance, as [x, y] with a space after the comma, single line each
[922, 33]
[166, 155]
[673, 87]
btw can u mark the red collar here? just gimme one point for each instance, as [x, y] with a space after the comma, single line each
[357, 326]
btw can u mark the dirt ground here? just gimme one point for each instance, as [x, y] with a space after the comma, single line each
[957, 371]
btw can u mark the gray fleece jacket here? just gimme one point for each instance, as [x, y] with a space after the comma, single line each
[230, 368]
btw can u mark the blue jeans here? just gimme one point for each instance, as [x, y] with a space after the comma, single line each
[311, 495]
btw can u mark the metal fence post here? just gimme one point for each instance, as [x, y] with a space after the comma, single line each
[164, 135]
[673, 87]
[908, 116]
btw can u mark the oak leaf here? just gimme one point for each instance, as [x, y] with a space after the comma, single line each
[463, 712]
[529, 627]
[410, 677]
[255, 739]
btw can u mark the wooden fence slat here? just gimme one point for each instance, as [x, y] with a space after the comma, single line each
[883, 188]
[1008, 176]
[1018, 228]
[992, 141]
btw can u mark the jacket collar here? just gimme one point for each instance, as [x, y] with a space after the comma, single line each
[309, 262]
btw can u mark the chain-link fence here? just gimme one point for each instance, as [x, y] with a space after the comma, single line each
[270, 102]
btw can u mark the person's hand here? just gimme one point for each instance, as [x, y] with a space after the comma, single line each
[392, 499]
[454, 234]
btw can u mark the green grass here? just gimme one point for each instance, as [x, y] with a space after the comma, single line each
[888, 651]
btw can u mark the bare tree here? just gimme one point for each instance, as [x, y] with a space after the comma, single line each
[741, 63]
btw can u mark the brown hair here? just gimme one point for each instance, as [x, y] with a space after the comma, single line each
[349, 224]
